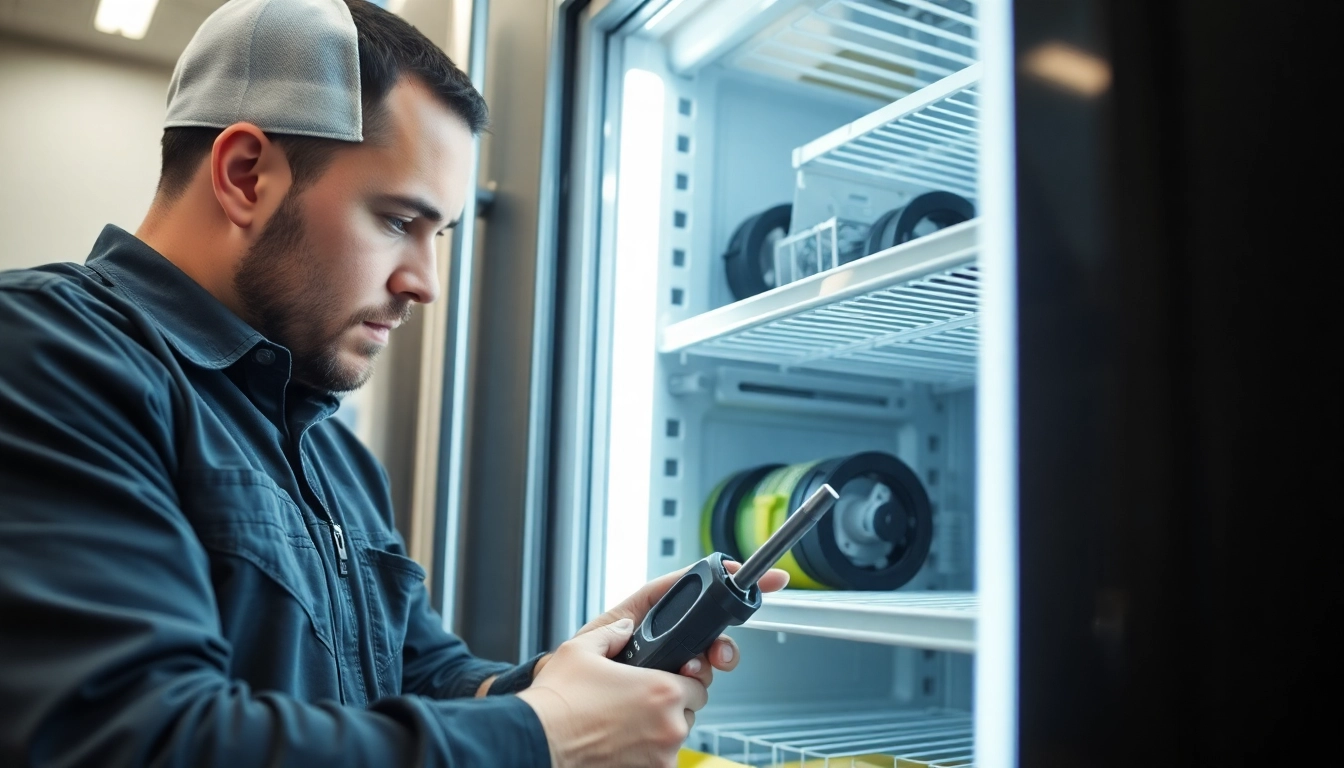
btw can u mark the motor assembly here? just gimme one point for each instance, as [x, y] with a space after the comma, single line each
[876, 537]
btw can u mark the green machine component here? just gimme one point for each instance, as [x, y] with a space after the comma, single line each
[876, 537]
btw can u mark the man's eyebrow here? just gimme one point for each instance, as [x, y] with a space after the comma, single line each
[419, 205]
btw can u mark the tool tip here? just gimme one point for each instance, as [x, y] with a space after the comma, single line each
[830, 490]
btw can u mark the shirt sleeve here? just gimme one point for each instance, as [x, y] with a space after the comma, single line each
[435, 662]
[438, 664]
[111, 651]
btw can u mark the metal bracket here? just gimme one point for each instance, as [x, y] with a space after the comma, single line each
[485, 199]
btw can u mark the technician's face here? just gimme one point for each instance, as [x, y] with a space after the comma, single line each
[341, 264]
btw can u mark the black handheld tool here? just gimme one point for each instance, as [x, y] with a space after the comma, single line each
[708, 600]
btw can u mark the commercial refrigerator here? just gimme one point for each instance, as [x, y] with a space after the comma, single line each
[1033, 365]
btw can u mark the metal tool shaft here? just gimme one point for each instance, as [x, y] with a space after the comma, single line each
[793, 529]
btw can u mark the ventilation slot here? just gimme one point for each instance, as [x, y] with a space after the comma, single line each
[873, 401]
[799, 393]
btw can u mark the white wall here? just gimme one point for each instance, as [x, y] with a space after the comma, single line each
[79, 148]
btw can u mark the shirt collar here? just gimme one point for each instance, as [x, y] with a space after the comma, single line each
[195, 323]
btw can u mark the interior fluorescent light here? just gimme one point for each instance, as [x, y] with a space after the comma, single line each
[128, 18]
[662, 13]
[996, 488]
[633, 335]
[718, 25]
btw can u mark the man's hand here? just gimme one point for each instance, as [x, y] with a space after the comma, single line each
[723, 653]
[598, 713]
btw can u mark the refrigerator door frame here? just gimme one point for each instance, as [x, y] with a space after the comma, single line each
[996, 510]
[497, 418]
[589, 89]
[516, 475]
[448, 571]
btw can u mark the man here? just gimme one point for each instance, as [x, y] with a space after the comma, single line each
[197, 566]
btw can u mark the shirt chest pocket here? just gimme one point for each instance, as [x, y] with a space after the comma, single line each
[269, 578]
[394, 585]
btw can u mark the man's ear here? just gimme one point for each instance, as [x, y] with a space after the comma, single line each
[249, 174]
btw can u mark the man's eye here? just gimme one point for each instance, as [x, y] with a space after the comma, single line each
[397, 224]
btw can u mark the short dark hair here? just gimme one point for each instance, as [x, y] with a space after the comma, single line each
[389, 47]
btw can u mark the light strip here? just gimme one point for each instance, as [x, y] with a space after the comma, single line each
[717, 27]
[633, 334]
[662, 13]
[996, 565]
[128, 18]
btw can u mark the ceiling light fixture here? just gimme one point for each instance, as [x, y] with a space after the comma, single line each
[128, 18]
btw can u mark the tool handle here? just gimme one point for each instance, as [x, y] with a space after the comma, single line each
[697, 609]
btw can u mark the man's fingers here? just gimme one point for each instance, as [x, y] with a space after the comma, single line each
[607, 639]
[700, 669]
[724, 653]
[773, 580]
[693, 693]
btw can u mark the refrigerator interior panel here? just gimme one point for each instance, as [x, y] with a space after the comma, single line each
[698, 131]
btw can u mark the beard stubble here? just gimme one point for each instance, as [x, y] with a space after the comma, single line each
[286, 293]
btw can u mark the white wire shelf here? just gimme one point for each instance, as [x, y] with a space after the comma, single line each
[812, 735]
[909, 312]
[876, 49]
[941, 621]
[929, 139]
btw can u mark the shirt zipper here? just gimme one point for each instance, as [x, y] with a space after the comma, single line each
[342, 557]
[339, 537]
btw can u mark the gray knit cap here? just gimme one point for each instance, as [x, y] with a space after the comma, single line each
[287, 66]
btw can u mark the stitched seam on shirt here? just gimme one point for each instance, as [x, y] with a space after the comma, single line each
[381, 665]
[234, 353]
[354, 625]
[124, 286]
[302, 540]
[382, 659]
[380, 563]
[261, 564]
[37, 282]
[313, 484]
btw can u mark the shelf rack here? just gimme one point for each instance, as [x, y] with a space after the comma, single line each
[869, 48]
[908, 312]
[941, 621]
[929, 139]
[871, 735]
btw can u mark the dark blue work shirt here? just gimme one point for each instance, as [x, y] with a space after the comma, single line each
[197, 566]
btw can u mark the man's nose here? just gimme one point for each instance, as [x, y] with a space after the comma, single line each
[417, 277]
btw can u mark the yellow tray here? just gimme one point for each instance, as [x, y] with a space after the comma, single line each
[689, 758]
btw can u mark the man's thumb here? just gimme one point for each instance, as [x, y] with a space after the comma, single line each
[609, 639]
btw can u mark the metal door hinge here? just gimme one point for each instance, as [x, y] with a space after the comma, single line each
[485, 198]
